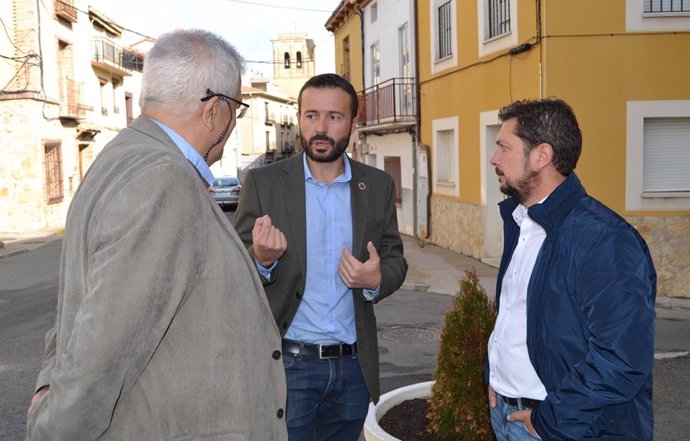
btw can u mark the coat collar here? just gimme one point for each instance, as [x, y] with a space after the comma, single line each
[551, 213]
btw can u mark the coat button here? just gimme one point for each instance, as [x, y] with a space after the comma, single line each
[298, 295]
[280, 413]
[276, 355]
[285, 325]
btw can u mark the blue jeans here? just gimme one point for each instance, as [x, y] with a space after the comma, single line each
[327, 399]
[508, 430]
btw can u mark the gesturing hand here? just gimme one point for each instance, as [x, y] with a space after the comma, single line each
[356, 274]
[269, 242]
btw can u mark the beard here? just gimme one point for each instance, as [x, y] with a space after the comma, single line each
[336, 151]
[521, 189]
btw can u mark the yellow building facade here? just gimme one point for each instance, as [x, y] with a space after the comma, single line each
[622, 66]
[346, 25]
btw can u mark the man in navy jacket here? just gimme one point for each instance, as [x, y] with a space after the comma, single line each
[572, 351]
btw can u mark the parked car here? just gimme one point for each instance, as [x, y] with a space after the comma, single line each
[226, 191]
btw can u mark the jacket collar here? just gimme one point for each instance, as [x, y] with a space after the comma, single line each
[552, 212]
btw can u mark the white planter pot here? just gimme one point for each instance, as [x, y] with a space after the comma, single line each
[372, 430]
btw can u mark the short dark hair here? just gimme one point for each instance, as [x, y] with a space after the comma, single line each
[331, 81]
[551, 121]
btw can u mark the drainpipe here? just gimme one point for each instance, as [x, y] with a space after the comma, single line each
[418, 131]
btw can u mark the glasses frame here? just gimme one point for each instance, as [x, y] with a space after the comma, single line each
[239, 112]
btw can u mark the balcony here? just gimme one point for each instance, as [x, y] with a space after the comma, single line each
[70, 100]
[390, 102]
[65, 10]
[107, 55]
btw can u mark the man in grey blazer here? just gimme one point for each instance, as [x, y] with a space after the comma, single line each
[163, 331]
[324, 235]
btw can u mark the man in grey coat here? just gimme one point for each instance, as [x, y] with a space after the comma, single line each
[163, 331]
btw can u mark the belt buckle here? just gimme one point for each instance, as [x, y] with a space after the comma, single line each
[328, 351]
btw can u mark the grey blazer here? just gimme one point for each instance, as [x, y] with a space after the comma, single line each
[278, 190]
[163, 331]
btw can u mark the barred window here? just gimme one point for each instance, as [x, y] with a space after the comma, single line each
[445, 31]
[498, 17]
[53, 161]
[652, 6]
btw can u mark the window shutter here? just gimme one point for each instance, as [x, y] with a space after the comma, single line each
[666, 155]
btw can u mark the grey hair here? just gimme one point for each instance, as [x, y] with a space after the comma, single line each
[183, 64]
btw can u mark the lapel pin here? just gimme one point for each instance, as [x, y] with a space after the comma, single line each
[362, 186]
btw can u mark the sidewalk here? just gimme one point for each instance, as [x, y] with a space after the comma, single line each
[435, 269]
[17, 243]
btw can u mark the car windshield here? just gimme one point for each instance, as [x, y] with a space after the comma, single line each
[226, 182]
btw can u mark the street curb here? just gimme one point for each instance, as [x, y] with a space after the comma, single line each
[13, 253]
[673, 303]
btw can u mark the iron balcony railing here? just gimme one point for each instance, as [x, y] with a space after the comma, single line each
[391, 101]
[65, 9]
[70, 99]
[105, 51]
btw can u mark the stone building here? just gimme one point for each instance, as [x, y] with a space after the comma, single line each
[67, 89]
[293, 62]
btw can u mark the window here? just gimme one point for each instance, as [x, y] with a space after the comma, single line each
[498, 24]
[116, 97]
[391, 164]
[443, 34]
[445, 27]
[445, 149]
[666, 156]
[498, 17]
[53, 168]
[657, 15]
[298, 63]
[670, 6]
[406, 98]
[374, 12]
[346, 58]
[658, 155]
[375, 64]
[103, 95]
[286, 58]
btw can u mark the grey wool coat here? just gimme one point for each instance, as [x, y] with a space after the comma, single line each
[278, 190]
[163, 331]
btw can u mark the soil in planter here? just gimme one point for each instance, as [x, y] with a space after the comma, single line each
[407, 421]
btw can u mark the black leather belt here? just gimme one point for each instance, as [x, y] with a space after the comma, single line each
[521, 402]
[319, 351]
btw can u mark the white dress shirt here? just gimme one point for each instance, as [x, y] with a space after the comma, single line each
[512, 374]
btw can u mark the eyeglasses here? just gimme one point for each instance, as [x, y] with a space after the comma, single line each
[241, 110]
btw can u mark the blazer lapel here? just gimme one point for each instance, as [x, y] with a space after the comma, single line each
[292, 186]
[359, 198]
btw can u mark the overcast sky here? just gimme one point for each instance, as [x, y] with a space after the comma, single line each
[250, 25]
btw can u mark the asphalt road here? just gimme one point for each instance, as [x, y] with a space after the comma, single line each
[409, 324]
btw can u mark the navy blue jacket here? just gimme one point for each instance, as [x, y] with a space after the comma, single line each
[590, 318]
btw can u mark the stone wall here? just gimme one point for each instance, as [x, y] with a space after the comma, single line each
[457, 226]
[668, 239]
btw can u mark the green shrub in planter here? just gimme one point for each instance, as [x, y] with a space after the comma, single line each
[458, 405]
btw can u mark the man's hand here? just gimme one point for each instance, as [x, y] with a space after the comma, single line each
[356, 274]
[37, 396]
[492, 398]
[269, 242]
[524, 416]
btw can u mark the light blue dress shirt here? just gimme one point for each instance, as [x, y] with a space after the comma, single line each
[326, 313]
[189, 152]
